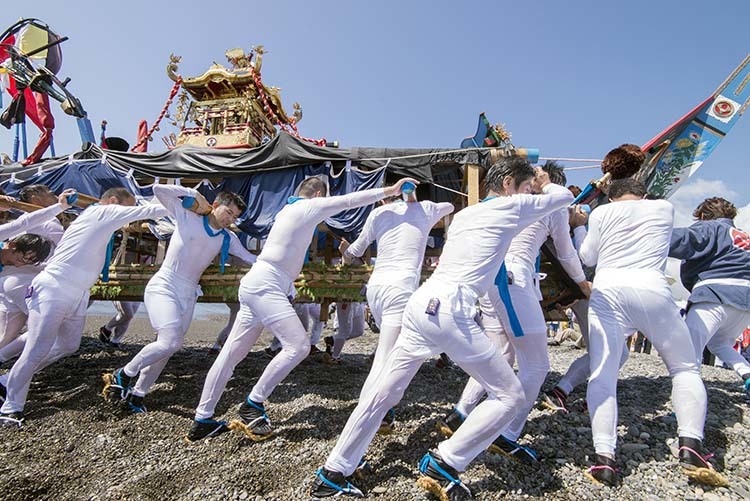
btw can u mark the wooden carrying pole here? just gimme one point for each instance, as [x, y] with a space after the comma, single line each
[26, 207]
[85, 200]
[472, 183]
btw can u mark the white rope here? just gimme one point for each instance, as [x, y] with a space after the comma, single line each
[571, 159]
[583, 167]
[450, 189]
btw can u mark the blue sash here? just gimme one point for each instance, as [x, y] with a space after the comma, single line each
[224, 243]
[108, 253]
[501, 282]
[108, 258]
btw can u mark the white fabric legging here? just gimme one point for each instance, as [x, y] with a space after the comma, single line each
[248, 326]
[453, 331]
[57, 314]
[351, 320]
[578, 372]
[13, 308]
[170, 304]
[119, 324]
[309, 314]
[221, 338]
[717, 326]
[530, 350]
[13, 349]
[387, 306]
[317, 326]
[624, 301]
[11, 324]
[242, 336]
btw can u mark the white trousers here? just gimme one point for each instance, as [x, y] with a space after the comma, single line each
[265, 290]
[351, 320]
[170, 301]
[309, 316]
[530, 350]
[221, 338]
[243, 335]
[13, 309]
[316, 326]
[118, 325]
[387, 305]
[578, 372]
[622, 302]
[57, 313]
[717, 326]
[11, 325]
[453, 331]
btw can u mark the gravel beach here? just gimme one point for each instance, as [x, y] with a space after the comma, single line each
[74, 446]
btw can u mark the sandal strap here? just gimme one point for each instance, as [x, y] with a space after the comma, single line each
[702, 457]
[602, 467]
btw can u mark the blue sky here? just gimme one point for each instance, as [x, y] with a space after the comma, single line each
[571, 78]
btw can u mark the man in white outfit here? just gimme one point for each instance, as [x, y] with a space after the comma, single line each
[265, 302]
[350, 324]
[59, 295]
[171, 294]
[529, 345]
[15, 280]
[113, 332]
[440, 317]
[401, 230]
[628, 241]
[624, 158]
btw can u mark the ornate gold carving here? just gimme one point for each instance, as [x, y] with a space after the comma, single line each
[229, 106]
[172, 67]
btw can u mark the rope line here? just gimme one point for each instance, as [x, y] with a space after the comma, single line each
[449, 189]
[571, 159]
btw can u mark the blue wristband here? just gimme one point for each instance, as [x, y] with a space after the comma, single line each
[187, 202]
[72, 198]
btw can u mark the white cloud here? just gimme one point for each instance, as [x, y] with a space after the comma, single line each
[689, 195]
[679, 293]
[742, 220]
[685, 200]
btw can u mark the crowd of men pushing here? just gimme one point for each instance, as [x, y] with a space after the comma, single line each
[489, 261]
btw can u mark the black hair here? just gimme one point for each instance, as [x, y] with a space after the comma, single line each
[519, 169]
[32, 190]
[231, 198]
[555, 171]
[37, 245]
[627, 186]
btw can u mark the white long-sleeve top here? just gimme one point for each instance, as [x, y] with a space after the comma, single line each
[292, 231]
[632, 234]
[401, 230]
[51, 229]
[28, 221]
[191, 249]
[526, 245]
[479, 236]
[79, 258]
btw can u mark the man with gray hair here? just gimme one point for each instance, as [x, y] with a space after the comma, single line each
[524, 340]
[440, 317]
